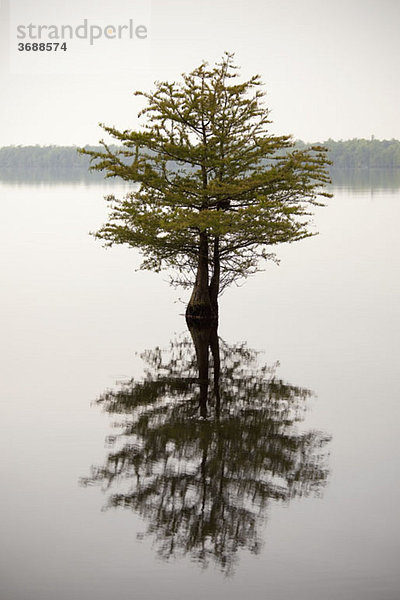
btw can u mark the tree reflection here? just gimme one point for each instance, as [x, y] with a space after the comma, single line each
[200, 465]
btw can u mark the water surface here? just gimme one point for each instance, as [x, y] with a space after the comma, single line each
[74, 316]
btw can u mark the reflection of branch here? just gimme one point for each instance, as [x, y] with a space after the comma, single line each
[204, 485]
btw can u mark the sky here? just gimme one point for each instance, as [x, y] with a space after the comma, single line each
[330, 68]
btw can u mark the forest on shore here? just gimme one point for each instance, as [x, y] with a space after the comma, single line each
[349, 154]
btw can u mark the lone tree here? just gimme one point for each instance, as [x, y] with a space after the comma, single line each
[215, 189]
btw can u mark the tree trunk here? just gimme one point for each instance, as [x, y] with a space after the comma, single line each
[215, 279]
[200, 304]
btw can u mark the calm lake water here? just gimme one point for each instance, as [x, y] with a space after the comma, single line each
[292, 493]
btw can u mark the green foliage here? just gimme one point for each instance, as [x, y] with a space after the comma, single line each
[205, 164]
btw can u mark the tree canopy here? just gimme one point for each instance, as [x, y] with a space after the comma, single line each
[215, 189]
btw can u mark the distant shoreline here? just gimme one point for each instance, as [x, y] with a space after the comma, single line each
[344, 154]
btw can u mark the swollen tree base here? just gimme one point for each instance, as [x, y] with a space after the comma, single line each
[201, 311]
[200, 305]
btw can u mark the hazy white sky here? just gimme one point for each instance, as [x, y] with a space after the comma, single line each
[331, 69]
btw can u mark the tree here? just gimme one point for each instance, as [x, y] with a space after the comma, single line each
[215, 188]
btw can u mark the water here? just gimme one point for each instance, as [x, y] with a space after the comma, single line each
[74, 316]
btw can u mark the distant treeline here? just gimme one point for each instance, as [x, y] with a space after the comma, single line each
[356, 153]
[361, 153]
[44, 157]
